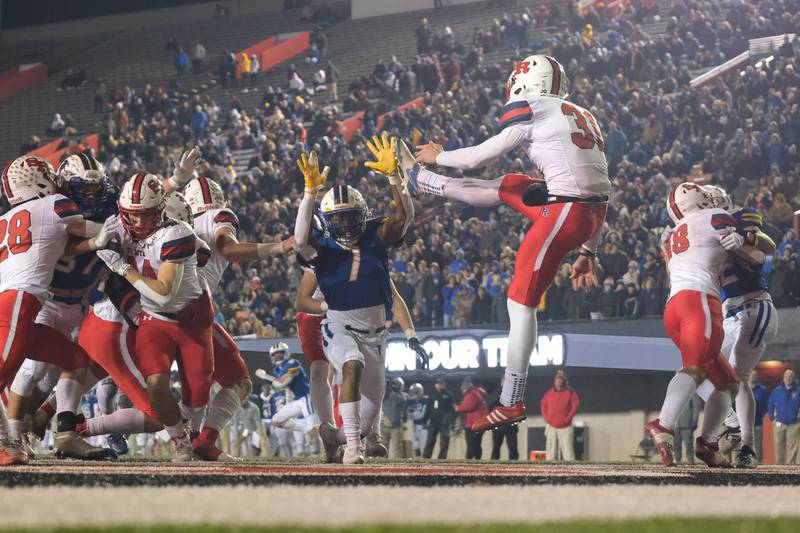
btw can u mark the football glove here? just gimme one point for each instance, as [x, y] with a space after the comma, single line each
[184, 168]
[385, 153]
[106, 233]
[114, 261]
[423, 358]
[732, 241]
[313, 178]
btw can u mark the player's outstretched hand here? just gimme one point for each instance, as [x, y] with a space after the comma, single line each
[184, 167]
[583, 273]
[385, 153]
[423, 357]
[313, 178]
[426, 153]
[106, 233]
[114, 261]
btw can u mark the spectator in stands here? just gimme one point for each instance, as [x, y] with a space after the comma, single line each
[255, 67]
[320, 40]
[473, 406]
[181, 60]
[559, 405]
[332, 75]
[57, 125]
[762, 401]
[439, 417]
[481, 311]
[296, 84]
[424, 35]
[242, 67]
[198, 58]
[199, 122]
[783, 408]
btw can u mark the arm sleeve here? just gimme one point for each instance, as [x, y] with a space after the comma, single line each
[302, 227]
[486, 152]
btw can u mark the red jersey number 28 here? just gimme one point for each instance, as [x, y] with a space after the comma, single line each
[679, 240]
[18, 231]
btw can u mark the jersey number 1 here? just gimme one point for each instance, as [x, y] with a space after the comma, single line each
[588, 135]
[19, 234]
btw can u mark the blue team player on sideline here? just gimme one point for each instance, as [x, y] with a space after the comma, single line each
[290, 375]
[83, 179]
[351, 264]
[751, 322]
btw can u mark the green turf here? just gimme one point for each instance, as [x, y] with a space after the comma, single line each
[671, 525]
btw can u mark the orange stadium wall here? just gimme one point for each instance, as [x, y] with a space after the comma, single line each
[284, 51]
[262, 46]
[16, 79]
[352, 125]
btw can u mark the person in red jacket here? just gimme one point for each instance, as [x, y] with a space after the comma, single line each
[559, 405]
[474, 407]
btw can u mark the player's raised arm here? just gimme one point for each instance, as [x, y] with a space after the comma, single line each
[472, 156]
[385, 152]
[314, 181]
[184, 170]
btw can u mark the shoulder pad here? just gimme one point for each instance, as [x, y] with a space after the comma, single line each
[65, 208]
[179, 243]
[226, 216]
[516, 112]
[722, 221]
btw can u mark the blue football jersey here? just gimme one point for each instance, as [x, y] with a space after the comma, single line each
[79, 273]
[416, 408]
[357, 277]
[739, 279]
[299, 382]
[274, 402]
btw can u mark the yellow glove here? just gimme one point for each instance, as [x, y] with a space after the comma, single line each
[385, 154]
[313, 178]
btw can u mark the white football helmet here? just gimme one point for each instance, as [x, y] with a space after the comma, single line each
[719, 197]
[178, 208]
[203, 195]
[279, 352]
[537, 76]
[345, 214]
[415, 390]
[83, 178]
[685, 198]
[143, 196]
[28, 177]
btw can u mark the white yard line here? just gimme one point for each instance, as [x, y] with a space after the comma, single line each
[336, 506]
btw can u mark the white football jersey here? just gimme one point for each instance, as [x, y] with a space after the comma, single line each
[33, 236]
[561, 138]
[174, 242]
[696, 256]
[206, 226]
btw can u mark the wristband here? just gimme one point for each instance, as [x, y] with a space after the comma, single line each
[410, 333]
[323, 306]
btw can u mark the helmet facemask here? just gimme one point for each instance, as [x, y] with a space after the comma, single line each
[141, 223]
[346, 225]
[92, 196]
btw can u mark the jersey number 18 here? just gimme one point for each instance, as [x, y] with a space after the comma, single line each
[678, 241]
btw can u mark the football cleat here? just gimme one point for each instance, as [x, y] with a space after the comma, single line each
[353, 455]
[730, 440]
[500, 416]
[663, 439]
[408, 167]
[69, 445]
[183, 448]
[333, 450]
[117, 443]
[375, 447]
[208, 451]
[746, 457]
[28, 443]
[709, 453]
[11, 454]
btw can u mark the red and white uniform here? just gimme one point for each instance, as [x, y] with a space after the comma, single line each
[565, 143]
[309, 331]
[182, 325]
[229, 366]
[111, 344]
[693, 316]
[33, 236]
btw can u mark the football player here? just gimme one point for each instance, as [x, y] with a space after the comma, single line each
[177, 315]
[34, 234]
[217, 226]
[697, 249]
[289, 374]
[750, 323]
[351, 265]
[567, 209]
[417, 405]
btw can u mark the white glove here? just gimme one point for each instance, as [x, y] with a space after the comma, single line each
[114, 261]
[666, 235]
[106, 234]
[732, 241]
[184, 168]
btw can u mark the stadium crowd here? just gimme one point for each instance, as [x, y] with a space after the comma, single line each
[741, 133]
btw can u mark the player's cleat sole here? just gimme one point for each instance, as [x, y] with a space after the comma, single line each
[333, 450]
[501, 416]
[353, 455]
[663, 439]
[746, 457]
[375, 447]
[11, 454]
[408, 167]
[709, 453]
[69, 445]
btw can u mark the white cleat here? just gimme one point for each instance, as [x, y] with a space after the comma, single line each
[333, 450]
[408, 167]
[183, 448]
[353, 455]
